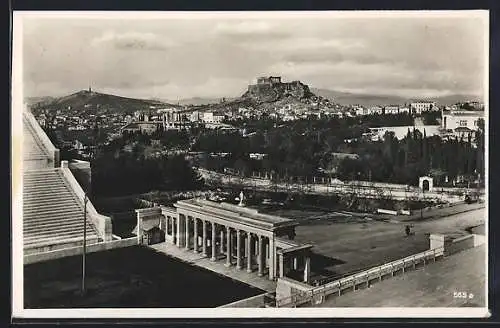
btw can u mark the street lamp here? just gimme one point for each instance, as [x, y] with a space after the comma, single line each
[85, 201]
[84, 241]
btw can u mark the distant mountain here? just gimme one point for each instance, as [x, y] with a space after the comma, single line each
[453, 99]
[345, 98]
[38, 100]
[198, 101]
[100, 101]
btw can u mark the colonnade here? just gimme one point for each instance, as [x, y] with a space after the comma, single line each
[236, 245]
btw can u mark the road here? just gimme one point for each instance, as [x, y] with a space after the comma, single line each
[396, 192]
[454, 223]
[345, 247]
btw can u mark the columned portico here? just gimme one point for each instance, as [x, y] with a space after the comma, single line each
[237, 232]
[290, 259]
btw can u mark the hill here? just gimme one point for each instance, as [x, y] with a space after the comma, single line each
[38, 100]
[86, 99]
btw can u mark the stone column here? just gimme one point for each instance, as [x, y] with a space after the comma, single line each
[228, 246]
[222, 241]
[295, 263]
[187, 232]
[139, 228]
[307, 269]
[267, 253]
[261, 256]
[281, 258]
[195, 236]
[249, 252]
[214, 254]
[178, 232]
[272, 259]
[238, 249]
[204, 234]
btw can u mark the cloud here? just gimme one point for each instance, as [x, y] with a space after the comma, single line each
[133, 41]
[251, 30]
[243, 27]
[172, 58]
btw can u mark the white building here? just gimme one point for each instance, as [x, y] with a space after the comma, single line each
[422, 106]
[213, 117]
[195, 116]
[392, 109]
[461, 123]
[361, 111]
[376, 110]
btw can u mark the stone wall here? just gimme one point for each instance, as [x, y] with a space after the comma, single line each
[102, 223]
[72, 251]
[251, 302]
[459, 244]
[82, 172]
[42, 137]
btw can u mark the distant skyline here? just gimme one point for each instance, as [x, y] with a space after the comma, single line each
[179, 57]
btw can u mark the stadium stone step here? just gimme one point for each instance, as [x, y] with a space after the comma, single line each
[56, 208]
[53, 232]
[56, 224]
[51, 218]
[29, 247]
[60, 235]
[51, 205]
[52, 213]
[35, 202]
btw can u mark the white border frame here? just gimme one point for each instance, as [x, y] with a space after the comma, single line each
[18, 310]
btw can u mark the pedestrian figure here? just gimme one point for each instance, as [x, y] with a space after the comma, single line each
[407, 230]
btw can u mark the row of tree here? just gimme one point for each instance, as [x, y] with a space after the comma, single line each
[306, 149]
[127, 174]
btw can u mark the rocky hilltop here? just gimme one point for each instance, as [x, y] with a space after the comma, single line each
[96, 101]
[272, 89]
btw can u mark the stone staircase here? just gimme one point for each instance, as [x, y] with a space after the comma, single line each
[52, 214]
[32, 149]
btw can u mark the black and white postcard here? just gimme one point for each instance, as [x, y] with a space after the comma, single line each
[250, 164]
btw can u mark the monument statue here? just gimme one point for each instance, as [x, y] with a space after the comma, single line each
[242, 198]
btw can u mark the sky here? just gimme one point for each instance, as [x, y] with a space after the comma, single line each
[218, 55]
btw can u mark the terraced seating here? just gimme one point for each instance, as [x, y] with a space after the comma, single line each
[32, 150]
[52, 214]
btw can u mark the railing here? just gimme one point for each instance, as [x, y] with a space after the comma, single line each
[317, 294]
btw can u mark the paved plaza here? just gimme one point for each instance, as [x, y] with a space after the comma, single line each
[341, 247]
[197, 259]
[431, 286]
